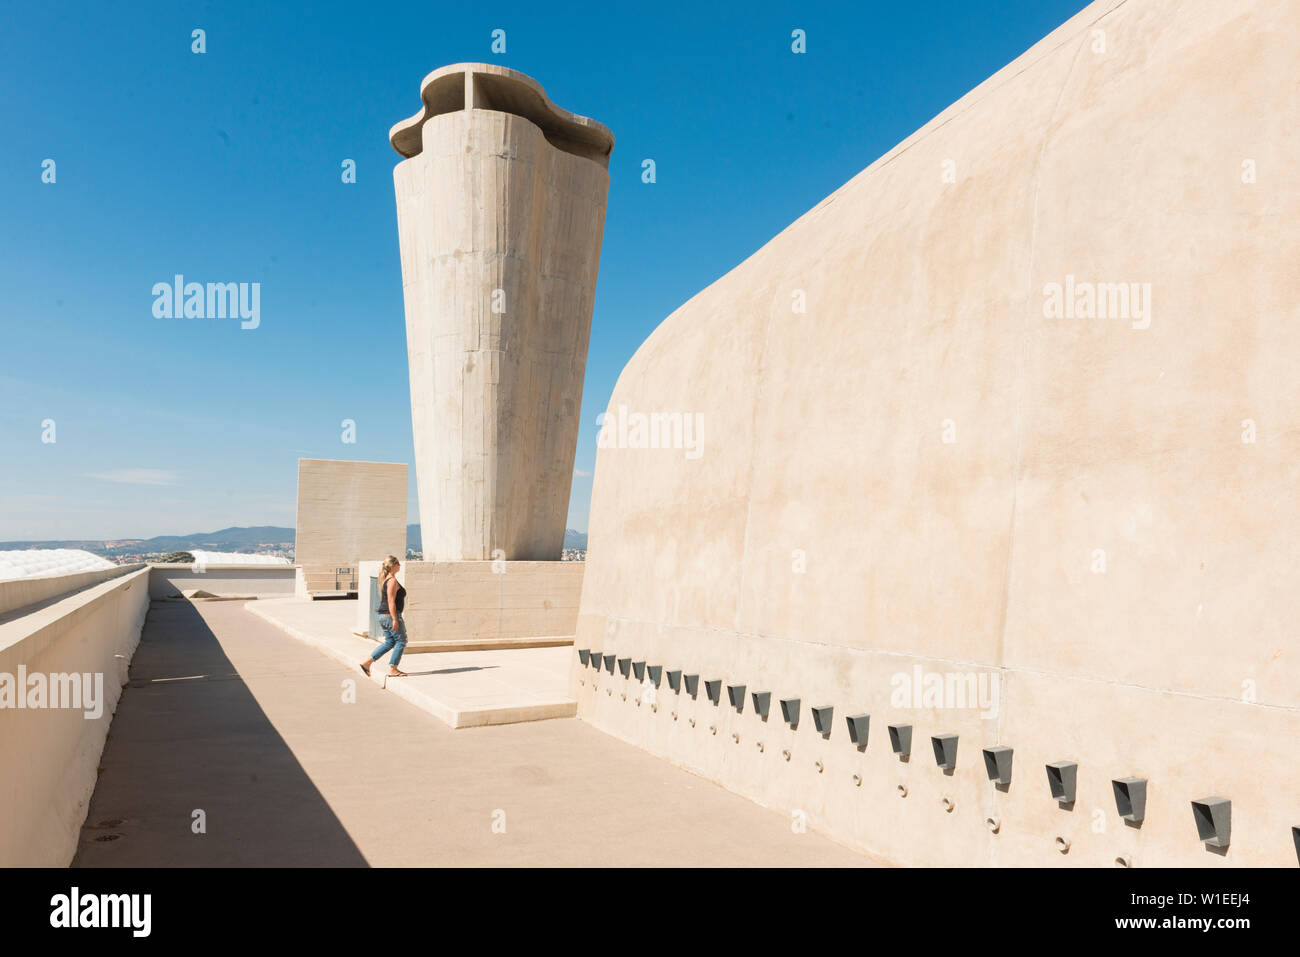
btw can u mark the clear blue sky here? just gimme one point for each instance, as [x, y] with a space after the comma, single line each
[225, 166]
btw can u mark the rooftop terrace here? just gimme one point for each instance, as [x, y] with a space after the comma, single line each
[226, 713]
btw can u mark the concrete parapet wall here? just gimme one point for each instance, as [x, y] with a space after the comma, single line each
[49, 757]
[21, 592]
[470, 601]
[909, 460]
[170, 580]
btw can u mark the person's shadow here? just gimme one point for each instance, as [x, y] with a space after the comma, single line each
[451, 671]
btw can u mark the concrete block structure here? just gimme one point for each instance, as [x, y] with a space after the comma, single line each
[500, 212]
[347, 512]
[999, 442]
[506, 604]
[455, 606]
[169, 580]
[366, 621]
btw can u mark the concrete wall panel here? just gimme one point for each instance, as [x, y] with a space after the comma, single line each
[921, 469]
[350, 511]
[472, 601]
[169, 581]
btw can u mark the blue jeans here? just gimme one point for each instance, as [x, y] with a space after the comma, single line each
[396, 641]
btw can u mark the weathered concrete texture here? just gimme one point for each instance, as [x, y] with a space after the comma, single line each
[226, 714]
[924, 468]
[349, 512]
[455, 602]
[500, 212]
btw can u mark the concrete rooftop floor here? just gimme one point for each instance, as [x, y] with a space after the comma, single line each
[463, 688]
[228, 714]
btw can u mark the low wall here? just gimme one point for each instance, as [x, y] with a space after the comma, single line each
[170, 580]
[474, 601]
[22, 592]
[49, 756]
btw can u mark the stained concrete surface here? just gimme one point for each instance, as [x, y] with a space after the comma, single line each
[227, 714]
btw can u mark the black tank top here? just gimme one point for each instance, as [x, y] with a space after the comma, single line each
[383, 599]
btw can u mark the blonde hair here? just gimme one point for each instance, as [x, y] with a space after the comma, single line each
[386, 569]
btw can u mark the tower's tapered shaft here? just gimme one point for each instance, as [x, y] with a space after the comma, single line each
[500, 212]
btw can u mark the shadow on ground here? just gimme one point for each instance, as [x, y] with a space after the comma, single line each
[189, 736]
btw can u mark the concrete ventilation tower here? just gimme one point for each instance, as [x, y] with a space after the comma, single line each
[500, 212]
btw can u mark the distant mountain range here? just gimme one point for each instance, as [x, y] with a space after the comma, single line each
[572, 538]
[226, 540]
[237, 539]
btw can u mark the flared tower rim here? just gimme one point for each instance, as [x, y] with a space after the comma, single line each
[466, 86]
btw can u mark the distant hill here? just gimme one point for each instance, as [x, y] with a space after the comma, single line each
[226, 540]
[236, 539]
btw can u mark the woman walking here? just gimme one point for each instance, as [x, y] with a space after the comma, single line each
[392, 599]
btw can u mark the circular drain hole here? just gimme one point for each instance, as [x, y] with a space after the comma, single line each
[105, 838]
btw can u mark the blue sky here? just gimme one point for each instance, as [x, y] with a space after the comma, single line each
[225, 166]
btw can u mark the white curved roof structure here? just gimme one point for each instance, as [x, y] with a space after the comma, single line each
[44, 562]
[235, 558]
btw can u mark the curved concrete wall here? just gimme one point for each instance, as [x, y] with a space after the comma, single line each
[929, 469]
[500, 221]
